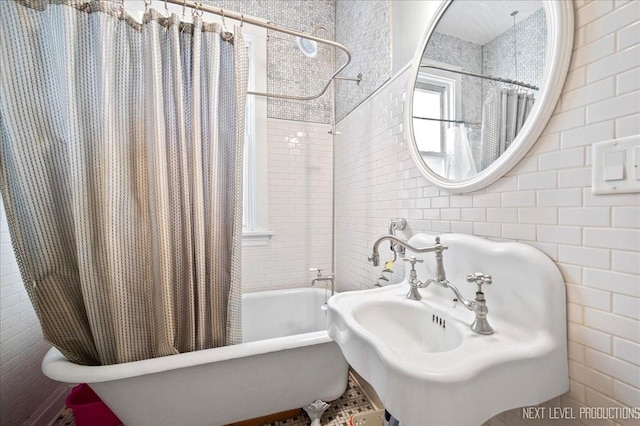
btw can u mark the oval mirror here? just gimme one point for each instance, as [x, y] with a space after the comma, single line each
[484, 82]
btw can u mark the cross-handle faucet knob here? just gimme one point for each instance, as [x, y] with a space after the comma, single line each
[413, 261]
[480, 325]
[414, 283]
[479, 279]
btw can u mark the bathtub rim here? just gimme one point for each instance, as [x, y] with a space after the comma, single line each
[57, 367]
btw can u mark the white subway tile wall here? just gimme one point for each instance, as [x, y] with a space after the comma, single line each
[23, 387]
[300, 185]
[544, 201]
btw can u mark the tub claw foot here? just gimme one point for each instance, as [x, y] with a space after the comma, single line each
[315, 411]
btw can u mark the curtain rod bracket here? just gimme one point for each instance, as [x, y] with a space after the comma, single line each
[357, 79]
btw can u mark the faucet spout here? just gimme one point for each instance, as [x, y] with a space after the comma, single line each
[375, 256]
[446, 284]
[323, 278]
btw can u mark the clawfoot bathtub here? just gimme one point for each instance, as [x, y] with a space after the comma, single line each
[287, 361]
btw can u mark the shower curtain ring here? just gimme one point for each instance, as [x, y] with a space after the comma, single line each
[197, 12]
[147, 3]
[224, 23]
[241, 20]
[184, 9]
[226, 34]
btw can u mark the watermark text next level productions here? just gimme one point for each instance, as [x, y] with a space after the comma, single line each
[574, 413]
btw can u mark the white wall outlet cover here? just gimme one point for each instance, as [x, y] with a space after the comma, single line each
[616, 166]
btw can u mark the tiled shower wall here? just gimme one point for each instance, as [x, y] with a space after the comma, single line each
[299, 174]
[545, 201]
[364, 27]
[290, 72]
[525, 62]
[23, 387]
[300, 185]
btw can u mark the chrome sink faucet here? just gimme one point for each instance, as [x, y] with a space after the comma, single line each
[479, 306]
[397, 224]
[375, 256]
[480, 324]
[414, 283]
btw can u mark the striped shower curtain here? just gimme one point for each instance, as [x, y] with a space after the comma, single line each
[121, 172]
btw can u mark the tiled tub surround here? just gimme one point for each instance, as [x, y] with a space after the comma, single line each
[300, 186]
[544, 201]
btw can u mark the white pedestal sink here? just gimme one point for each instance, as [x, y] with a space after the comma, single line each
[421, 356]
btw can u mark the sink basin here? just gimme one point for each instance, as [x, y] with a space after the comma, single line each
[421, 356]
[402, 326]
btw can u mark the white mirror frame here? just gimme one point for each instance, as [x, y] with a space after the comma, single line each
[560, 25]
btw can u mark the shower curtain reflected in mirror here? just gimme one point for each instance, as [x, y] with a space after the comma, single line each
[121, 172]
[504, 112]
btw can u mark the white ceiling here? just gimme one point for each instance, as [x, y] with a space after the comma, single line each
[480, 22]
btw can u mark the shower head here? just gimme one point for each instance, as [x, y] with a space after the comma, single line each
[308, 47]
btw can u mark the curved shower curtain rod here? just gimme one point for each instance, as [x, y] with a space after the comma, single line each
[272, 26]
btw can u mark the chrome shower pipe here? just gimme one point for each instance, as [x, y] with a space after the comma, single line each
[271, 26]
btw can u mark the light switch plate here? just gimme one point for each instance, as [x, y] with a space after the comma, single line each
[616, 166]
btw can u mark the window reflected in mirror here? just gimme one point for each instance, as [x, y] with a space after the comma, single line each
[477, 83]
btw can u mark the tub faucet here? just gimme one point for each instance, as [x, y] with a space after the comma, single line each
[320, 277]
